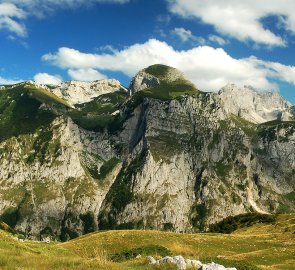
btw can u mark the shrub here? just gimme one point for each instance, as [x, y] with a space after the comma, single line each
[232, 223]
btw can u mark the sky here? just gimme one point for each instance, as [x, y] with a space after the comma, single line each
[214, 42]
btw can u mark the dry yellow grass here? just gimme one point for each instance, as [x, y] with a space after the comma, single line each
[263, 246]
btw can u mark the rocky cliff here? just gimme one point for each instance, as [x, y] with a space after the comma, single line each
[165, 156]
[75, 92]
[253, 106]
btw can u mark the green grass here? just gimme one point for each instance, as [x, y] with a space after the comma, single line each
[165, 145]
[45, 96]
[261, 246]
[167, 89]
[290, 196]
[158, 70]
[20, 113]
[98, 113]
[20, 110]
[222, 169]
[146, 250]
[171, 90]
[107, 167]
[249, 128]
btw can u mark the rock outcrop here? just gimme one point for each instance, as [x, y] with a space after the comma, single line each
[183, 264]
[142, 81]
[75, 92]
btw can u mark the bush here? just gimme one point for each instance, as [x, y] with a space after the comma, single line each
[232, 223]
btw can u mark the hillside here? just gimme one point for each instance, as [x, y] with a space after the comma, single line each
[261, 246]
[162, 156]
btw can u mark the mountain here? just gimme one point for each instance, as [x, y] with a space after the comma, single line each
[163, 156]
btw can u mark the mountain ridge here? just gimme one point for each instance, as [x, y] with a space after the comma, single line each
[169, 156]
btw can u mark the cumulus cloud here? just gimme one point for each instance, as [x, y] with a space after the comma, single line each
[240, 19]
[10, 19]
[45, 78]
[186, 35]
[86, 75]
[14, 12]
[209, 68]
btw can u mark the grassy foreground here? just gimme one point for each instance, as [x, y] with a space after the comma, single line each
[261, 246]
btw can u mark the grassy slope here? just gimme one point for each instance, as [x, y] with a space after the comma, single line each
[262, 246]
[19, 112]
[19, 109]
[98, 113]
[167, 90]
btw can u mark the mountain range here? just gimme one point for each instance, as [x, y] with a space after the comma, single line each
[162, 154]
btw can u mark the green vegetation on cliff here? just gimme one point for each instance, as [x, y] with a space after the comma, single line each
[170, 90]
[20, 112]
[101, 112]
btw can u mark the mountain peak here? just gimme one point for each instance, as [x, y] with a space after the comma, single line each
[254, 106]
[76, 92]
[155, 75]
[165, 73]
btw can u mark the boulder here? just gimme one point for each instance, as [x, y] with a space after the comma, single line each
[151, 260]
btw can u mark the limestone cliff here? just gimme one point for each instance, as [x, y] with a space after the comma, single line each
[169, 157]
[75, 92]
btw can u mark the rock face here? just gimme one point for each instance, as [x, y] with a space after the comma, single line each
[143, 80]
[75, 92]
[253, 106]
[176, 164]
[53, 193]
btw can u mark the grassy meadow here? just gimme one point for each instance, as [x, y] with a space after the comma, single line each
[261, 246]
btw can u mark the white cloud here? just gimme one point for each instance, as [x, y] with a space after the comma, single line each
[4, 81]
[276, 70]
[207, 67]
[86, 75]
[45, 78]
[14, 12]
[217, 39]
[10, 16]
[240, 19]
[186, 35]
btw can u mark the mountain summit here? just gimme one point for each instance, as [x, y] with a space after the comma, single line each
[161, 79]
[163, 156]
[253, 106]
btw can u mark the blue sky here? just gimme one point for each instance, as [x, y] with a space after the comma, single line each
[212, 42]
